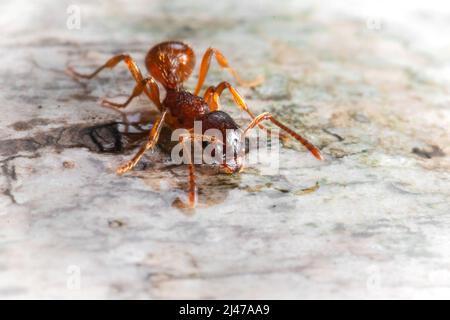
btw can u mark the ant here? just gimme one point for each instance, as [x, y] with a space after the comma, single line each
[171, 63]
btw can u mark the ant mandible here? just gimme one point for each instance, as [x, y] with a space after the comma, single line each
[171, 63]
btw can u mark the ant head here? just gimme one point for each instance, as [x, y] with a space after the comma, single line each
[231, 153]
[232, 166]
[170, 63]
[234, 153]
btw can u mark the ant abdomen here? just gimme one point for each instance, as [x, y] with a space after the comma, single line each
[171, 63]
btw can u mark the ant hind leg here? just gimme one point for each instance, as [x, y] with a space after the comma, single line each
[138, 89]
[222, 61]
[111, 63]
[153, 93]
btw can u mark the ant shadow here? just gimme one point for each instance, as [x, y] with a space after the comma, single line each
[156, 169]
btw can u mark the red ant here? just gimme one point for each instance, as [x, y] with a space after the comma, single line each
[171, 63]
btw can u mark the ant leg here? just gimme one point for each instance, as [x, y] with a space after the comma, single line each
[209, 93]
[214, 103]
[153, 93]
[138, 89]
[151, 142]
[111, 63]
[192, 196]
[192, 192]
[238, 99]
[267, 116]
[222, 61]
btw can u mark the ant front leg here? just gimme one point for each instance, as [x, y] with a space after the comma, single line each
[267, 116]
[192, 191]
[153, 93]
[192, 196]
[222, 61]
[151, 142]
[212, 97]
